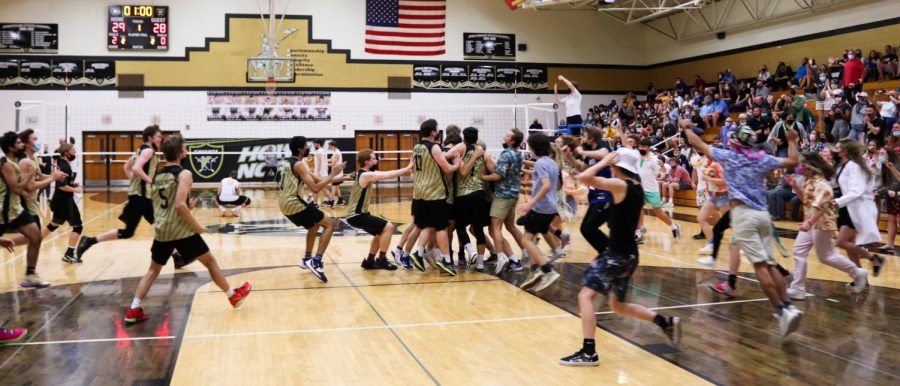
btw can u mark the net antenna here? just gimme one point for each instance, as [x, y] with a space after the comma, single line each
[268, 66]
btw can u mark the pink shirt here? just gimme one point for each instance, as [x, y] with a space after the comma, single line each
[679, 174]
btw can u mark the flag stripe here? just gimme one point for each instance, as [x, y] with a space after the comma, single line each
[406, 44]
[406, 32]
[422, 8]
[406, 38]
[414, 25]
[406, 17]
[400, 52]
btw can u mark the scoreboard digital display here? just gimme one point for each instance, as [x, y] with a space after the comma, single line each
[138, 27]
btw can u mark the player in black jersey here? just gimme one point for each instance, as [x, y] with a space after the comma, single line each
[612, 269]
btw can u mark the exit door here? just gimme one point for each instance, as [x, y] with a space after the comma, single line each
[108, 169]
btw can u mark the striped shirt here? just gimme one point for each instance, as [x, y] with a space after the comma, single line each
[168, 224]
[428, 181]
[472, 182]
[289, 200]
[359, 197]
[32, 205]
[12, 203]
[138, 187]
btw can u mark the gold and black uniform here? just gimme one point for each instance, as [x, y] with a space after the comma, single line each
[291, 203]
[33, 206]
[14, 215]
[63, 203]
[470, 200]
[171, 230]
[429, 189]
[139, 205]
[358, 209]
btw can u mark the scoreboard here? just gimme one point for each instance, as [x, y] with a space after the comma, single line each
[138, 27]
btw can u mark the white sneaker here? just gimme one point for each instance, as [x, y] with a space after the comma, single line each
[502, 261]
[547, 280]
[860, 280]
[707, 261]
[706, 250]
[34, 281]
[794, 323]
[565, 238]
[789, 320]
[795, 294]
[535, 276]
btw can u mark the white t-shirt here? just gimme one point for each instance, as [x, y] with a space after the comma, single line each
[320, 161]
[888, 109]
[229, 189]
[649, 172]
[336, 159]
[573, 103]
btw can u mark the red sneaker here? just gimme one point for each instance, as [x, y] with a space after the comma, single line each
[725, 289]
[12, 335]
[239, 295]
[134, 315]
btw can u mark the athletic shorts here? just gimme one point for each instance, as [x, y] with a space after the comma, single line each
[431, 214]
[65, 211]
[504, 208]
[307, 217]
[137, 207]
[373, 225]
[241, 200]
[22, 220]
[684, 186]
[537, 223]
[470, 209]
[610, 272]
[751, 230]
[844, 218]
[653, 199]
[190, 248]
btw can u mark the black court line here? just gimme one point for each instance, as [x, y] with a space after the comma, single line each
[362, 286]
[391, 329]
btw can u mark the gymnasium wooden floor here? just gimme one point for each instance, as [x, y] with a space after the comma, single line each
[407, 327]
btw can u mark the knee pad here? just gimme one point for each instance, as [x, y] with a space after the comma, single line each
[52, 227]
[77, 229]
[125, 233]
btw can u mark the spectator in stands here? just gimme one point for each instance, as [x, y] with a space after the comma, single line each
[760, 124]
[890, 192]
[727, 127]
[840, 114]
[678, 178]
[706, 111]
[651, 92]
[728, 93]
[887, 66]
[801, 78]
[699, 83]
[875, 127]
[782, 75]
[894, 142]
[682, 157]
[888, 109]
[854, 74]
[778, 137]
[572, 102]
[815, 143]
[782, 194]
[720, 109]
[536, 125]
[872, 63]
[764, 75]
[680, 87]
[699, 123]
[761, 89]
[728, 77]
[857, 117]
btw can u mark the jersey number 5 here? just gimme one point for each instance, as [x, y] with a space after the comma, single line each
[165, 200]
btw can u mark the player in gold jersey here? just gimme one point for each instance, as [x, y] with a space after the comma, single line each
[140, 168]
[13, 196]
[358, 215]
[430, 196]
[176, 228]
[303, 213]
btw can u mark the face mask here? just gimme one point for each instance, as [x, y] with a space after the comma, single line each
[72, 157]
[643, 152]
[373, 168]
[38, 146]
[822, 78]
[812, 138]
[20, 154]
[790, 121]
[882, 159]
[505, 146]
[851, 56]
[800, 169]
[896, 133]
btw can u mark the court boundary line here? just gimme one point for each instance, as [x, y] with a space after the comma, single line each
[361, 286]
[373, 327]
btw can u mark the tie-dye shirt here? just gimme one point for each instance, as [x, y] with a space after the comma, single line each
[817, 193]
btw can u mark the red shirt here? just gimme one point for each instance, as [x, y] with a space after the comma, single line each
[679, 174]
[854, 70]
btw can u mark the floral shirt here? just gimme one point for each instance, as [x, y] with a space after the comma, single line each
[817, 193]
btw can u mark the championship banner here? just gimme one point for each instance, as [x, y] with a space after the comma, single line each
[255, 160]
[259, 106]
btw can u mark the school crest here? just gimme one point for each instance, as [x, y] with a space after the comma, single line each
[206, 158]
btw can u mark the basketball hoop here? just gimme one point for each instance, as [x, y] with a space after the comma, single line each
[271, 86]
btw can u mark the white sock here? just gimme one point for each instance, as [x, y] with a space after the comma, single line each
[501, 256]
[524, 253]
[513, 258]
[229, 292]
[470, 249]
[446, 258]
[558, 251]
[436, 251]
[674, 225]
[235, 210]
[420, 250]
[136, 303]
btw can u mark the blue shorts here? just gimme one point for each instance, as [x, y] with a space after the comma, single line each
[610, 272]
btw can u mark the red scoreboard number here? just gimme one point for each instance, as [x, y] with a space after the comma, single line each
[138, 27]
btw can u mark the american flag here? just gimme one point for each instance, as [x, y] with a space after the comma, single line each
[405, 27]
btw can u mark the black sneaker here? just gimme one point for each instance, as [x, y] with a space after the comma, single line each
[383, 264]
[673, 330]
[446, 267]
[699, 236]
[180, 261]
[71, 259]
[492, 258]
[417, 261]
[317, 268]
[84, 244]
[639, 239]
[580, 359]
[366, 264]
[876, 269]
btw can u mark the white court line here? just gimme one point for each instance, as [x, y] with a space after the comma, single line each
[365, 328]
[696, 265]
[60, 234]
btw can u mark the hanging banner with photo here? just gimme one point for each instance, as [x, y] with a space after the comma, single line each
[435, 76]
[260, 106]
[255, 160]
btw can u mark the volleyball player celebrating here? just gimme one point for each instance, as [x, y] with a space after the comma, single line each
[358, 215]
[430, 192]
[507, 178]
[613, 268]
[302, 213]
[14, 217]
[470, 198]
[175, 227]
